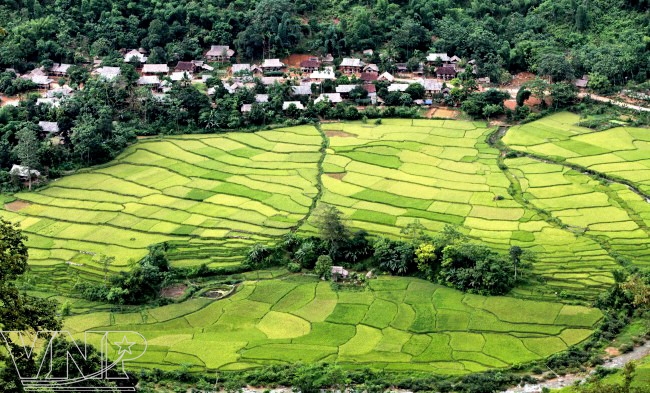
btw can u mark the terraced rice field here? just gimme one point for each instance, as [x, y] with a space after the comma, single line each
[611, 211]
[622, 152]
[443, 172]
[211, 195]
[397, 324]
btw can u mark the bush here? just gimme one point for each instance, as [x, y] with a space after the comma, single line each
[294, 267]
[323, 267]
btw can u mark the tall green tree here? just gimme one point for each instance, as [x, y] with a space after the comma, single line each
[28, 150]
[332, 230]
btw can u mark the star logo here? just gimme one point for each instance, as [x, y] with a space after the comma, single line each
[125, 346]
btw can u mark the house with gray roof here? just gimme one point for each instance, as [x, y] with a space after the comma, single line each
[219, 53]
[332, 98]
[50, 127]
[135, 54]
[287, 104]
[271, 65]
[149, 69]
[350, 65]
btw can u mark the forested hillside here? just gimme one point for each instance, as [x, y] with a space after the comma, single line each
[608, 37]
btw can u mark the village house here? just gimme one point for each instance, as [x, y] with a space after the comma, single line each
[59, 69]
[327, 59]
[310, 65]
[332, 98]
[200, 64]
[152, 69]
[371, 68]
[149, 80]
[431, 86]
[368, 52]
[271, 80]
[181, 76]
[261, 98]
[386, 77]
[326, 73]
[344, 90]
[50, 127]
[368, 77]
[351, 66]
[41, 81]
[245, 108]
[397, 87]
[232, 88]
[435, 58]
[220, 53]
[446, 73]
[54, 102]
[304, 89]
[185, 66]
[24, 172]
[136, 55]
[338, 273]
[272, 65]
[582, 82]
[454, 60]
[59, 92]
[240, 68]
[401, 68]
[287, 104]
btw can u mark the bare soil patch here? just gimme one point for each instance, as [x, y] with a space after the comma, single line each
[611, 351]
[342, 134]
[174, 291]
[295, 60]
[444, 112]
[337, 176]
[521, 78]
[4, 100]
[16, 206]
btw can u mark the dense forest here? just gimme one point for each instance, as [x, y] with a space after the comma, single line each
[607, 37]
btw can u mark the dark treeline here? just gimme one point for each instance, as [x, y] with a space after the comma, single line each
[448, 258]
[554, 37]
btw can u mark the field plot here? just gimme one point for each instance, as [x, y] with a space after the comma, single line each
[211, 195]
[622, 152]
[396, 324]
[611, 212]
[443, 172]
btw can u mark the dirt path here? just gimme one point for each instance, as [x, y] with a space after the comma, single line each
[614, 102]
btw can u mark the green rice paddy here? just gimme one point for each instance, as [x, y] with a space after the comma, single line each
[396, 324]
[212, 196]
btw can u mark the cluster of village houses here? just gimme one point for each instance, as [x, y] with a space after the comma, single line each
[313, 70]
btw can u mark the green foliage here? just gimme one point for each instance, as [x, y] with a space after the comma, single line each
[556, 66]
[332, 230]
[140, 285]
[522, 95]
[486, 104]
[394, 256]
[19, 312]
[323, 267]
[477, 269]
